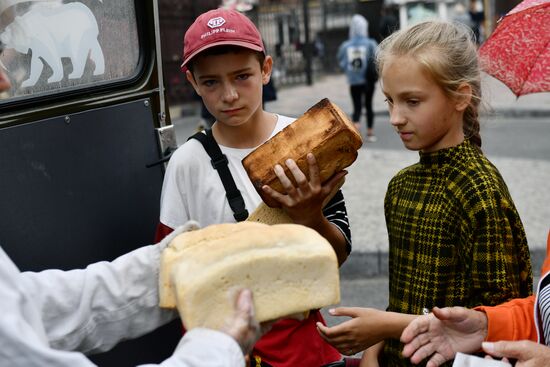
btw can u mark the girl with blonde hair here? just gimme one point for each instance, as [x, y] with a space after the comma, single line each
[455, 236]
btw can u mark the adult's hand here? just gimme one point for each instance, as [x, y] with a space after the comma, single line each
[443, 333]
[527, 353]
[366, 327]
[242, 325]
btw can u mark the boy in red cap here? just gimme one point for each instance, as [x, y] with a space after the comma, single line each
[224, 59]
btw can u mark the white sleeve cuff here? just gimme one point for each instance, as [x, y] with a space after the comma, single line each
[205, 347]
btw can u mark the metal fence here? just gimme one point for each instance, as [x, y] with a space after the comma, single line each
[303, 37]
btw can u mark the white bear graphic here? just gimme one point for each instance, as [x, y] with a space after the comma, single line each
[52, 32]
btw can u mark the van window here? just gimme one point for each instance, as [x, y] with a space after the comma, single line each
[54, 46]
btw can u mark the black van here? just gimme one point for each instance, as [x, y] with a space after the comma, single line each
[83, 135]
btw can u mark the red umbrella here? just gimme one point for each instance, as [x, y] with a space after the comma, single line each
[518, 51]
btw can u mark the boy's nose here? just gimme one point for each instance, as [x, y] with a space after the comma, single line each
[230, 93]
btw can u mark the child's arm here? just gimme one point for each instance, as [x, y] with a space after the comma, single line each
[371, 356]
[367, 326]
[303, 201]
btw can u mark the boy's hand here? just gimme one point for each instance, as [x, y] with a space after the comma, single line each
[303, 202]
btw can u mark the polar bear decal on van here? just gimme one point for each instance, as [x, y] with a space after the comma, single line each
[53, 32]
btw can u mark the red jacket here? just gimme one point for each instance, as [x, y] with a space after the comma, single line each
[516, 319]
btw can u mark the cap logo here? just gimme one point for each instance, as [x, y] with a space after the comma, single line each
[216, 22]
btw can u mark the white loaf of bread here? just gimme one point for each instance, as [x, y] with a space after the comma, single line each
[289, 268]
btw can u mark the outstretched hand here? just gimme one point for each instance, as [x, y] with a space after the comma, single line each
[443, 333]
[303, 202]
[365, 329]
[242, 325]
[525, 352]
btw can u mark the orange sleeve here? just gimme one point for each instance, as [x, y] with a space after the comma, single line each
[546, 264]
[162, 231]
[515, 319]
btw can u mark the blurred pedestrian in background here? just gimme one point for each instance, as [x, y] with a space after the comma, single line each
[356, 58]
[478, 18]
[388, 22]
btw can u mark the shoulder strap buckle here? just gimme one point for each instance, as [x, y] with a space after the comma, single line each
[220, 161]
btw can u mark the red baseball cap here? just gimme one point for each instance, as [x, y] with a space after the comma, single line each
[220, 27]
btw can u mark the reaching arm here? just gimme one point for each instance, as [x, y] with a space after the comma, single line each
[443, 333]
[33, 302]
[366, 327]
[90, 310]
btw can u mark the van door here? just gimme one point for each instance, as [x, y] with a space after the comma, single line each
[82, 132]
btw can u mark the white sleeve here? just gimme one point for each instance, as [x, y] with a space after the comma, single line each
[46, 315]
[92, 310]
[198, 348]
[205, 348]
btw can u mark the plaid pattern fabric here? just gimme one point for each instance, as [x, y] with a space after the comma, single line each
[455, 237]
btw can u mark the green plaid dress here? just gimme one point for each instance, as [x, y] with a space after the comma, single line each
[455, 237]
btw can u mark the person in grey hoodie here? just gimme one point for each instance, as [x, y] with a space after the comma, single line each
[353, 56]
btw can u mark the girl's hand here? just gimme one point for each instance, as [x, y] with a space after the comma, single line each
[364, 329]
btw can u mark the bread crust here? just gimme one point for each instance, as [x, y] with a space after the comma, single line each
[323, 130]
[289, 268]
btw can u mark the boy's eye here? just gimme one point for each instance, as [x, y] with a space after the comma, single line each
[208, 82]
[243, 76]
[389, 101]
[413, 102]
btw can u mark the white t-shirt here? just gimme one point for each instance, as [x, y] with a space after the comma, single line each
[192, 188]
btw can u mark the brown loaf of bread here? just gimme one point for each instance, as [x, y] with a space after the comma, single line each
[323, 130]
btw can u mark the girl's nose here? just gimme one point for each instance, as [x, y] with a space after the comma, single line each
[396, 116]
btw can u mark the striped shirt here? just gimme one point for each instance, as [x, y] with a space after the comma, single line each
[455, 237]
[544, 309]
[336, 213]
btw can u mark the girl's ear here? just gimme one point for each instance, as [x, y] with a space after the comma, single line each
[267, 68]
[464, 96]
[191, 79]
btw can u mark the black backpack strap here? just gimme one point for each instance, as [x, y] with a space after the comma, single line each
[221, 164]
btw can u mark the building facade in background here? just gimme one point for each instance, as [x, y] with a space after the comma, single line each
[303, 36]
